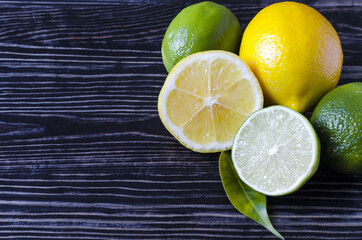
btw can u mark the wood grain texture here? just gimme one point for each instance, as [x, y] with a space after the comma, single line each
[83, 154]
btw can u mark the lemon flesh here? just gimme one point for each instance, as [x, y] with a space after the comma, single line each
[206, 98]
[276, 151]
[294, 52]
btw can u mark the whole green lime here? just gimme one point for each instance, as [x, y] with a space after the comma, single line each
[200, 27]
[338, 122]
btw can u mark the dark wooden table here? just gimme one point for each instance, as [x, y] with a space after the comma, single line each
[84, 154]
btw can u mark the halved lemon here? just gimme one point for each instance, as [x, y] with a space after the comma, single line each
[205, 99]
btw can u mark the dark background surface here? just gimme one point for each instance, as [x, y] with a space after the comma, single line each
[84, 155]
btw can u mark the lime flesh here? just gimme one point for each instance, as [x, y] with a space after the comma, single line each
[276, 151]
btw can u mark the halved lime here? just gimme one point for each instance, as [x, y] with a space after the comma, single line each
[276, 151]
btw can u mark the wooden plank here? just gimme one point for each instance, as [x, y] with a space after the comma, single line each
[84, 155]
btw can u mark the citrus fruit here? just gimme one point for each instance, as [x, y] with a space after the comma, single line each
[205, 99]
[276, 151]
[294, 52]
[200, 27]
[337, 120]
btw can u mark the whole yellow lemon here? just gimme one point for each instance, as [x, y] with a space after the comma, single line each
[294, 52]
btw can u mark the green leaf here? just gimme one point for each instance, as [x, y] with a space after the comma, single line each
[245, 199]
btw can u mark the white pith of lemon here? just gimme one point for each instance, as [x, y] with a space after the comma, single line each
[276, 151]
[205, 99]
